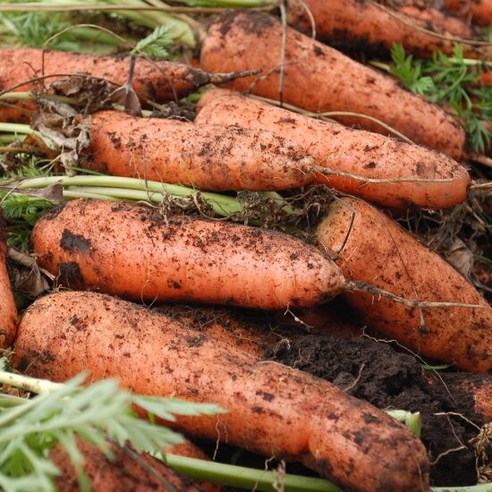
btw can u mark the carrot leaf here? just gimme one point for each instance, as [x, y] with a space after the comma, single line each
[61, 413]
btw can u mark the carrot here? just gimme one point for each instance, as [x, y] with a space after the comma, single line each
[365, 23]
[157, 81]
[248, 332]
[209, 157]
[137, 253]
[125, 470]
[8, 309]
[357, 159]
[371, 247]
[320, 79]
[271, 409]
[478, 11]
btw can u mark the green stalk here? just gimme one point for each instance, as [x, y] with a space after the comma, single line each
[246, 478]
[181, 30]
[412, 420]
[23, 96]
[244, 4]
[129, 188]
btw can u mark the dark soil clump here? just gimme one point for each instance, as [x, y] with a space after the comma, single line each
[374, 371]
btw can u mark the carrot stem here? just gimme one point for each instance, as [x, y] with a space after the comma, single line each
[247, 478]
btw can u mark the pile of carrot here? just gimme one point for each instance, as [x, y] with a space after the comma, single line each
[110, 251]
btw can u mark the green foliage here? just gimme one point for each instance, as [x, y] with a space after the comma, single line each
[96, 414]
[409, 71]
[451, 81]
[156, 44]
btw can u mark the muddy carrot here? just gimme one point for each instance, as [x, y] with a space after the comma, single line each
[138, 253]
[371, 247]
[157, 81]
[8, 309]
[321, 79]
[367, 24]
[272, 410]
[380, 169]
[209, 157]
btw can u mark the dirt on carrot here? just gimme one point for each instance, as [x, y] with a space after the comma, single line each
[370, 246]
[251, 40]
[125, 470]
[137, 252]
[372, 27]
[379, 169]
[210, 157]
[271, 409]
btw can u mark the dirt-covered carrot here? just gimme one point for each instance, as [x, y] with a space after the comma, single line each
[478, 11]
[271, 409]
[356, 159]
[139, 253]
[8, 309]
[370, 246]
[321, 79]
[157, 81]
[124, 470]
[248, 330]
[366, 24]
[209, 157]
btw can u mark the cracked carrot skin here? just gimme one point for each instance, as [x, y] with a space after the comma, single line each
[138, 253]
[271, 409]
[8, 309]
[320, 79]
[358, 152]
[371, 247]
[157, 81]
[210, 157]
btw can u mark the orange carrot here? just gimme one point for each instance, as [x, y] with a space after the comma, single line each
[239, 328]
[320, 79]
[357, 159]
[271, 409]
[478, 11]
[157, 81]
[125, 470]
[371, 247]
[365, 23]
[8, 309]
[136, 252]
[209, 157]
